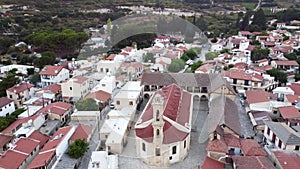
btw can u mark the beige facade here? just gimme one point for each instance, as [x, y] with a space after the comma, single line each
[74, 88]
[19, 98]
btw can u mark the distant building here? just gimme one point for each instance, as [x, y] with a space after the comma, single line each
[75, 88]
[7, 106]
[20, 93]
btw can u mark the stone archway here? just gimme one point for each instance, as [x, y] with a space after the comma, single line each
[196, 103]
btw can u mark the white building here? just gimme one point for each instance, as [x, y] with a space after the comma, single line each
[76, 87]
[281, 92]
[107, 66]
[53, 75]
[101, 160]
[20, 68]
[107, 84]
[7, 106]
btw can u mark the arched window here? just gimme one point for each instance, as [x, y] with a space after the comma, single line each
[157, 115]
[157, 132]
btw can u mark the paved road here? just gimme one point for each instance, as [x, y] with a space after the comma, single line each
[247, 127]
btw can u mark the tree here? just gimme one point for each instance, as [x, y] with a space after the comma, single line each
[78, 148]
[196, 66]
[258, 54]
[9, 81]
[211, 55]
[35, 78]
[297, 77]
[176, 65]
[48, 58]
[259, 19]
[149, 57]
[88, 104]
[278, 74]
[30, 71]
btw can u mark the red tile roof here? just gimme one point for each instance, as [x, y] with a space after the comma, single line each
[36, 135]
[58, 108]
[295, 87]
[4, 101]
[53, 88]
[212, 164]
[5, 139]
[42, 159]
[20, 88]
[261, 116]
[242, 75]
[26, 145]
[176, 108]
[111, 57]
[79, 79]
[257, 162]
[51, 70]
[232, 141]
[258, 96]
[292, 98]
[217, 146]
[81, 132]
[289, 112]
[286, 62]
[100, 95]
[287, 160]
[19, 122]
[12, 159]
[252, 148]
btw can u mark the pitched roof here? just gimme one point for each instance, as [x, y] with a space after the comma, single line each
[36, 135]
[19, 122]
[56, 139]
[78, 79]
[287, 160]
[258, 96]
[4, 101]
[287, 135]
[5, 139]
[289, 112]
[295, 87]
[292, 98]
[286, 62]
[51, 70]
[261, 116]
[20, 87]
[212, 164]
[252, 148]
[223, 111]
[242, 75]
[217, 146]
[81, 132]
[257, 162]
[58, 108]
[176, 115]
[42, 159]
[232, 141]
[12, 159]
[26, 145]
[99, 95]
[53, 88]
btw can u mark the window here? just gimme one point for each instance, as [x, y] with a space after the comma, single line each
[1, 109]
[143, 146]
[157, 132]
[10, 96]
[131, 103]
[118, 102]
[174, 150]
[108, 147]
[157, 115]
[268, 131]
[170, 158]
[296, 147]
[71, 88]
[184, 144]
[103, 85]
[106, 136]
[157, 151]
[279, 144]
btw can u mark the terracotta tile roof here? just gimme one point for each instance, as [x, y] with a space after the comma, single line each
[111, 57]
[289, 112]
[58, 108]
[19, 122]
[212, 164]
[36, 135]
[217, 146]
[295, 87]
[286, 62]
[241, 65]
[42, 159]
[257, 162]
[51, 70]
[252, 148]
[53, 88]
[56, 139]
[12, 159]
[262, 60]
[79, 79]
[232, 141]
[258, 96]
[223, 111]
[132, 64]
[26, 145]
[287, 160]
[176, 109]
[293, 98]
[5, 139]
[242, 75]
[4, 101]
[205, 68]
[81, 132]
[20, 88]
[100, 95]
